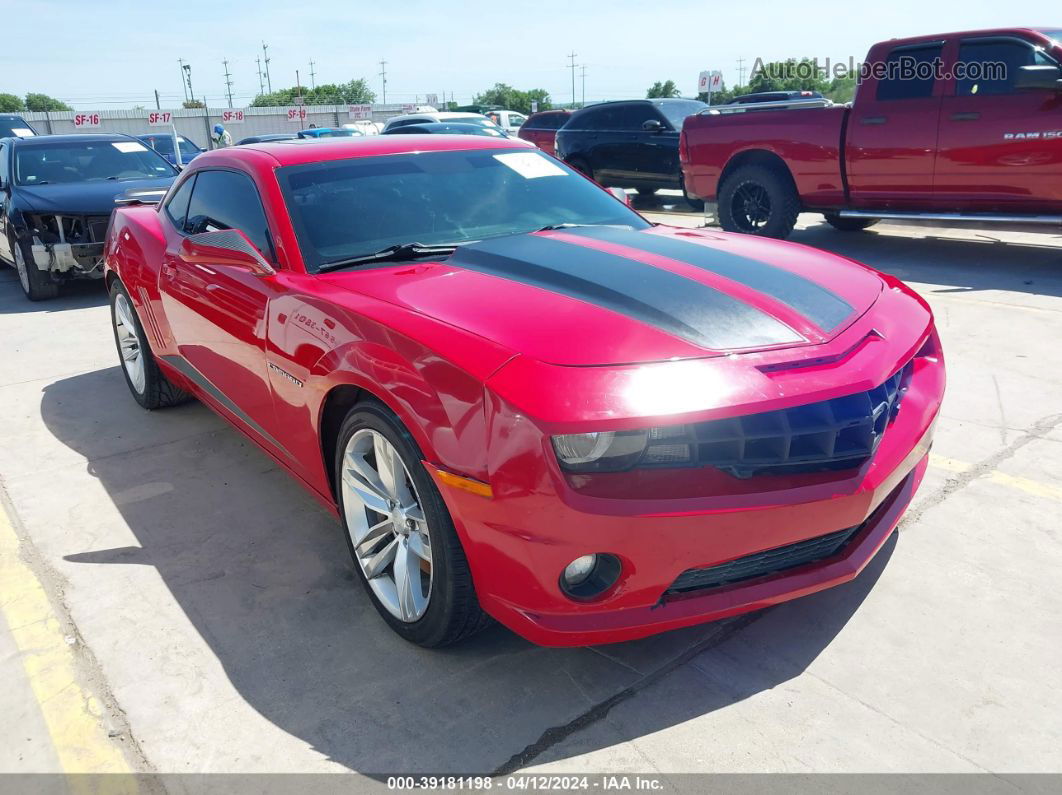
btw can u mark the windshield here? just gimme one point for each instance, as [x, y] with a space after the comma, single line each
[1055, 35]
[349, 208]
[676, 112]
[14, 128]
[163, 144]
[94, 161]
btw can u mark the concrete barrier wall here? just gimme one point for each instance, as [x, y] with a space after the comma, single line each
[197, 124]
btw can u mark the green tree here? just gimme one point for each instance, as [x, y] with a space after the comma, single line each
[353, 92]
[665, 89]
[791, 75]
[9, 103]
[42, 102]
[193, 103]
[842, 89]
[509, 98]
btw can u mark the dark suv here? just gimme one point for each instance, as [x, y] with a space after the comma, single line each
[628, 144]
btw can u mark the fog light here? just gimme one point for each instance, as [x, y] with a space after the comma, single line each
[589, 576]
[579, 569]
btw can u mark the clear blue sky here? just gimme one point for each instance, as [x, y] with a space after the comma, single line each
[115, 53]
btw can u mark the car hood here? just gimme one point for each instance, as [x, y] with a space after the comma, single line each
[81, 198]
[607, 295]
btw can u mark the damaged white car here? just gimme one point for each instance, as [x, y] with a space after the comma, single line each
[56, 197]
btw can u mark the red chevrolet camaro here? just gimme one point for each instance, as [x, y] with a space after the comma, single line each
[521, 399]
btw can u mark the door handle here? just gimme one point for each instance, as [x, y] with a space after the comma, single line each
[873, 120]
[970, 116]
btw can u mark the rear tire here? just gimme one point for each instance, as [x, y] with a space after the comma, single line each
[149, 387]
[449, 611]
[849, 224]
[757, 200]
[37, 285]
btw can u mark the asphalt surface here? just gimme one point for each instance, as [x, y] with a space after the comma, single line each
[205, 618]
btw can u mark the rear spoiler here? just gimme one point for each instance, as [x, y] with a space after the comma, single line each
[140, 196]
[782, 104]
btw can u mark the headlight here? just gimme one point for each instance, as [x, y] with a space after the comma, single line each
[615, 451]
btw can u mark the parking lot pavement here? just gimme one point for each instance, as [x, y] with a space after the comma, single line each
[222, 628]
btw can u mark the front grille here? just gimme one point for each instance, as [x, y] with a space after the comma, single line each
[841, 433]
[760, 564]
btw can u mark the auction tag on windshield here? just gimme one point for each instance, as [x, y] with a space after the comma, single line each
[128, 146]
[530, 165]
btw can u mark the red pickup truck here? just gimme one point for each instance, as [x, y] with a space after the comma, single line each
[951, 127]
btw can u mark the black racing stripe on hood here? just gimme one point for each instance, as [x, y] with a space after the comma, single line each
[823, 308]
[672, 303]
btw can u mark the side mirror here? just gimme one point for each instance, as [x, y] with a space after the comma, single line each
[620, 194]
[652, 125]
[1041, 76]
[140, 196]
[225, 247]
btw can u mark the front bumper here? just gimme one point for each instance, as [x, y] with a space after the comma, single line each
[519, 542]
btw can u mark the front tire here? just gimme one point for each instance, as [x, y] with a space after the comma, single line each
[758, 201]
[149, 387]
[849, 224]
[37, 285]
[399, 532]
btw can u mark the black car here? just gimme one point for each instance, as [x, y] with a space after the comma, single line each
[446, 128]
[12, 126]
[56, 197]
[628, 144]
[774, 96]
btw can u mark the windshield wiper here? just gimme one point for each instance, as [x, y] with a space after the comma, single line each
[395, 253]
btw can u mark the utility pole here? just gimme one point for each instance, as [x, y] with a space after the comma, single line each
[741, 71]
[188, 76]
[383, 77]
[571, 56]
[261, 76]
[298, 84]
[158, 105]
[181, 62]
[583, 68]
[313, 83]
[265, 60]
[228, 81]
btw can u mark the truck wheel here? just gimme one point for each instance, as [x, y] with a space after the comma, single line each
[758, 201]
[150, 388]
[37, 285]
[849, 224]
[405, 549]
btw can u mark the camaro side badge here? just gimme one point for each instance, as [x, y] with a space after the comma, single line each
[285, 374]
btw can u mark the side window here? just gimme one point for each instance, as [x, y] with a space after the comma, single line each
[597, 119]
[227, 200]
[910, 72]
[3, 165]
[516, 120]
[991, 66]
[630, 118]
[177, 207]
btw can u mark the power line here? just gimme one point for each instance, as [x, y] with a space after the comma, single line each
[383, 76]
[228, 81]
[572, 57]
[741, 71]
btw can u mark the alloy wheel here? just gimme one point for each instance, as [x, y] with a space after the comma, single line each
[387, 525]
[751, 206]
[129, 343]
